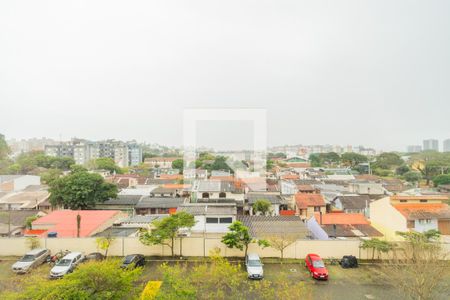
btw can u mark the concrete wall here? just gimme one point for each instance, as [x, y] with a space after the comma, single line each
[192, 246]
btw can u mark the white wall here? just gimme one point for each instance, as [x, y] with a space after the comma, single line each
[421, 227]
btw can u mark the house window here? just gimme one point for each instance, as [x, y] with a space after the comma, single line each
[425, 221]
[222, 195]
[205, 195]
[423, 200]
[317, 208]
[226, 220]
[403, 201]
[212, 220]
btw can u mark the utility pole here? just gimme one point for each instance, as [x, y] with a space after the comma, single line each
[9, 220]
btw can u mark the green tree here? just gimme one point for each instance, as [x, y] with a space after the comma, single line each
[239, 237]
[29, 220]
[4, 148]
[50, 175]
[388, 160]
[101, 280]
[263, 206]
[104, 243]
[430, 164]
[441, 180]
[281, 241]
[351, 159]
[378, 246]
[81, 189]
[412, 176]
[105, 163]
[402, 170]
[419, 269]
[165, 230]
[178, 164]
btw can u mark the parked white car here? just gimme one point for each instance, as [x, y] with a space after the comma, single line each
[66, 264]
[254, 266]
[30, 260]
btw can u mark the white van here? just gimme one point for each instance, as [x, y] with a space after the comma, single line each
[30, 260]
[66, 264]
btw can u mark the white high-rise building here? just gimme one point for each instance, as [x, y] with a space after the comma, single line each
[431, 144]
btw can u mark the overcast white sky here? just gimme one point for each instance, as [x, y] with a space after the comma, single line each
[341, 72]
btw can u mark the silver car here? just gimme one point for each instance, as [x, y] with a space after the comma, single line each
[30, 260]
[66, 264]
[254, 266]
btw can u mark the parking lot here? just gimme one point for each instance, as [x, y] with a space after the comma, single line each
[360, 283]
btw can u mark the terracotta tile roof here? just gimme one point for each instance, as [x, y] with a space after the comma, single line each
[176, 186]
[222, 178]
[171, 176]
[342, 218]
[305, 187]
[424, 211]
[305, 200]
[64, 222]
[290, 176]
[298, 164]
[421, 197]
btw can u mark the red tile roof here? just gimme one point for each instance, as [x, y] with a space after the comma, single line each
[176, 186]
[64, 222]
[424, 210]
[305, 200]
[170, 176]
[342, 218]
[287, 212]
[290, 176]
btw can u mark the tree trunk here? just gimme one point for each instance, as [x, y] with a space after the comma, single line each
[246, 249]
[172, 246]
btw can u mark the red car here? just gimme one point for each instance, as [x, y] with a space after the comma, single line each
[316, 267]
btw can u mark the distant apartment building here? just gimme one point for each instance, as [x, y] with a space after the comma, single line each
[431, 144]
[414, 149]
[123, 154]
[447, 145]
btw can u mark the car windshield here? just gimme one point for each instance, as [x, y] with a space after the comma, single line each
[27, 258]
[129, 259]
[318, 264]
[64, 263]
[254, 263]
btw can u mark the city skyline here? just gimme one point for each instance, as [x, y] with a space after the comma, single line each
[325, 72]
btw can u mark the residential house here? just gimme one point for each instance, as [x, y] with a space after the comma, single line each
[342, 226]
[277, 203]
[149, 205]
[367, 188]
[160, 162]
[129, 227]
[16, 183]
[12, 222]
[26, 198]
[352, 204]
[406, 213]
[125, 203]
[210, 217]
[307, 204]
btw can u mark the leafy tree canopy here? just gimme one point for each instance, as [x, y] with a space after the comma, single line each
[353, 159]
[81, 189]
[441, 179]
[105, 163]
[263, 206]
[92, 280]
[388, 160]
[166, 230]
